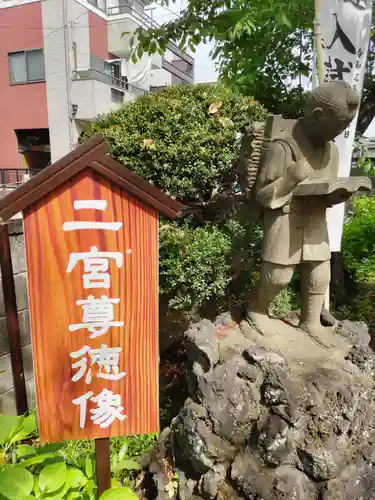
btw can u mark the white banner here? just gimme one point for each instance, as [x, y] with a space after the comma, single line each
[345, 26]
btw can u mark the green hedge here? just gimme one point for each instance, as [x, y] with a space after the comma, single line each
[185, 140]
[358, 245]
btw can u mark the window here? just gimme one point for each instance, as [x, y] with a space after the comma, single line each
[117, 96]
[26, 66]
[99, 4]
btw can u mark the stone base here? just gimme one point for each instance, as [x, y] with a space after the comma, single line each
[276, 418]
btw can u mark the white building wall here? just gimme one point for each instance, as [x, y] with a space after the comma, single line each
[59, 63]
[67, 48]
[80, 34]
[160, 78]
[94, 98]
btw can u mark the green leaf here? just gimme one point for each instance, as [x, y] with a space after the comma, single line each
[50, 448]
[139, 52]
[90, 487]
[16, 483]
[18, 428]
[126, 465]
[7, 426]
[52, 477]
[285, 20]
[25, 450]
[30, 423]
[119, 494]
[73, 495]
[59, 494]
[153, 47]
[89, 467]
[38, 459]
[75, 478]
[123, 451]
[24, 428]
[115, 483]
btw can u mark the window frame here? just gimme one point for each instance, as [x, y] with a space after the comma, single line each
[25, 51]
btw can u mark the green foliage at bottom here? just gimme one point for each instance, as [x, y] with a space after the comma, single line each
[358, 245]
[193, 263]
[62, 471]
[358, 249]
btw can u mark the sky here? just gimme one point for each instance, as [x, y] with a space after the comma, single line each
[370, 132]
[204, 66]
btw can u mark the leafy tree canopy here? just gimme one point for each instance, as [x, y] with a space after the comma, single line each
[258, 45]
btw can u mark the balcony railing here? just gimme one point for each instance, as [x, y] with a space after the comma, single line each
[174, 70]
[118, 83]
[140, 17]
[10, 178]
[127, 7]
[122, 7]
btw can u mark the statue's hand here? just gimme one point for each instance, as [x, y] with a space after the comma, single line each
[298, 171]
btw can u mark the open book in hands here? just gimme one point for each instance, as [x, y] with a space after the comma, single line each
[332, 191]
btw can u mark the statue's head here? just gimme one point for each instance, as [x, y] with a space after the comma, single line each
[330, 108]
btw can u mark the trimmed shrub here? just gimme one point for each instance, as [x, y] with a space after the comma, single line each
[185, 140]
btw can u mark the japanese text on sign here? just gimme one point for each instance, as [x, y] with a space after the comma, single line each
[98, 317]
[343, 44]
[345, 29]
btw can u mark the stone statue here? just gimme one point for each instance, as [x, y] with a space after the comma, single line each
[297, 182]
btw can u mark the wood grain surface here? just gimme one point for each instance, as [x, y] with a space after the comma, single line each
[53, 294]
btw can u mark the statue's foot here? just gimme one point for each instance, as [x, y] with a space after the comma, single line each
[262, 323]
[321, 335]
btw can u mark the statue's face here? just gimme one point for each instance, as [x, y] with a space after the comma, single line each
[326, 124]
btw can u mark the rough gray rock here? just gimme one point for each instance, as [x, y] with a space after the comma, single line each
[262, 423]
[356, 333]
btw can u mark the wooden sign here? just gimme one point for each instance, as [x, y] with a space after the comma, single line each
[91, 233]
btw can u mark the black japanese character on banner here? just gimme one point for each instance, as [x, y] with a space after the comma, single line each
[337, 70]
[358, 65]
[343, 37]
[356, 78]
[360, 53]
[346, 134]
[358, 4]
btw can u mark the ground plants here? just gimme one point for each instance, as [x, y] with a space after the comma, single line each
[32, 471]
[358, 244]
[358, 248]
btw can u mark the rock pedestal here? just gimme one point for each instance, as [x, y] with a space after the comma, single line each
[271, 418]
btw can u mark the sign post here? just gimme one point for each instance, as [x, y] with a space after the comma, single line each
[91, 236]
[103, 464]
[13, 327]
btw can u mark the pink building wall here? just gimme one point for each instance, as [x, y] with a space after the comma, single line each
[22, 106]
[98, 33]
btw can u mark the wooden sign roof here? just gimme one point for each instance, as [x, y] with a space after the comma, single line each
[91, 154]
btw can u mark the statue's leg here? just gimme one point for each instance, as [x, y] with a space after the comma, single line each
[273, 279]
[315, 277]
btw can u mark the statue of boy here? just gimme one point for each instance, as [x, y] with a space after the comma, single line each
[295, 228]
